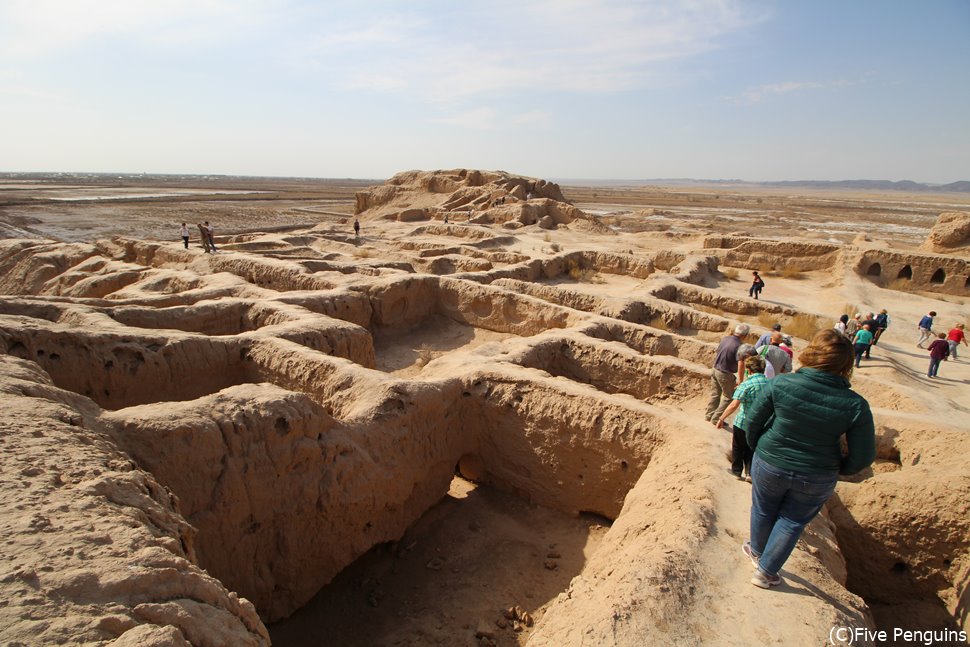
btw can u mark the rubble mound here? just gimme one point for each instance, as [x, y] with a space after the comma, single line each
[464, 195]
[950, 233]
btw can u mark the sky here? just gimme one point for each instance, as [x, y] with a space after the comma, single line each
[560, 89]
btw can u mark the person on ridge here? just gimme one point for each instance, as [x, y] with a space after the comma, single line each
[204, 237]
[723, 373]
[852, 326]
[925, 327]
[860, 344]
[780, 361]
[184, 233]
[842, 324]
[873, 324]
[882, 322]
[795, 427]
[757, 284]
[356, 227]
[954, 337]
[939, 350]
[744, 395]
[765, 339]
[210, 234]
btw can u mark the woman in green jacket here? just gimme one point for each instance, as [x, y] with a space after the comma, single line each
[795, 427]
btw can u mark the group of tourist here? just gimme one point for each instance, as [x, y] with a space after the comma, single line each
[864, 333]
[795, 433]
[787, 431]
[944, 346]
[206, 236]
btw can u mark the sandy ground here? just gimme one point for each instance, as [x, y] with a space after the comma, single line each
[479, 551]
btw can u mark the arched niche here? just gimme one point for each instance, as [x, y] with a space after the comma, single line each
[939, 277]
[905, 273]
[874, 270]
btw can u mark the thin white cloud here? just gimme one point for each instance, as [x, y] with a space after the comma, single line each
[761, 93]
[488, 118]
[532, 118]
[574, 47]
[34, 28]
[483, 118]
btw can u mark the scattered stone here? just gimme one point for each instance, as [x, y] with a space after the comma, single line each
[435, 564]
[550, 565]
[484, 630]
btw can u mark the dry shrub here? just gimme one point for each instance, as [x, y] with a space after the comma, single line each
[363, 252]
[803, 325]
[546, 237]
[767, 270]
[730, 273]
[849, 309]
[582, 274]
[792, 273]
[555, 247]
[766, 319]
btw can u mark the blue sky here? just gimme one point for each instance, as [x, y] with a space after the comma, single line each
[745, 89]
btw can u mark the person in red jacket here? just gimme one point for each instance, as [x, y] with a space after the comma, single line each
[954, 337]
[939, 350]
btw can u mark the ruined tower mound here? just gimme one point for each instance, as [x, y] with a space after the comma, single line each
[951, 233]
[463, 194]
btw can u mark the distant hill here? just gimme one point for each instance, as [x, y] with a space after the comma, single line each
[962, 186]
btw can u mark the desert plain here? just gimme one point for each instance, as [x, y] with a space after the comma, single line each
[478, 422]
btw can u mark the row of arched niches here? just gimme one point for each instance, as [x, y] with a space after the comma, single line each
[906, 273]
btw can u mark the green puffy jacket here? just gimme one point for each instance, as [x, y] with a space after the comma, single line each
[796, 422]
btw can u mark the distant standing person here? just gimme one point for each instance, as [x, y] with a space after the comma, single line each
[939, 350]
[954, 337]
[723, 374]
[795, 426]
[184, 233]
[210, 233]
[204, 237]
[757, 284]
[882, 322]
[356, 227]
[925, 327]
[744, 395]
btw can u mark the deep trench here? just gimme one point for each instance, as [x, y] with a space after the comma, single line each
[475, 553]
[895, 598]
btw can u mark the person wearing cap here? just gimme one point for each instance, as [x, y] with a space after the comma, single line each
[788, 346]
[765, 339]
[723, 378]
[779, 360]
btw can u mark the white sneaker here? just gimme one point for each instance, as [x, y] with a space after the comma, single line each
[761, 580]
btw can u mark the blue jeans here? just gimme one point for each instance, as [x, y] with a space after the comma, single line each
[782, 504]
[859, 350]
[934, 367]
